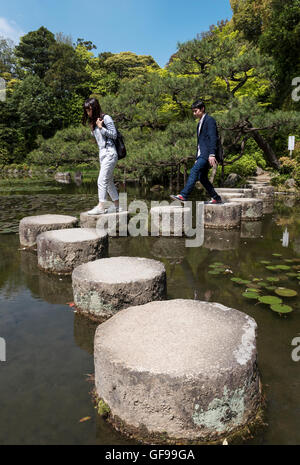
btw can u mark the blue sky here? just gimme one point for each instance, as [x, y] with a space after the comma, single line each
[152, 27]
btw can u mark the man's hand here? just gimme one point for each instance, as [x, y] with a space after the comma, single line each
[212, 161]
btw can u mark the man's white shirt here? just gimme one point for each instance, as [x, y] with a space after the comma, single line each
[199, 129]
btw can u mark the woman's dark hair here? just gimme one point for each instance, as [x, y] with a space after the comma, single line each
[96, 111]
[198, 104]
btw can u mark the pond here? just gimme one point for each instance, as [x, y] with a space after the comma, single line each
[45, 385]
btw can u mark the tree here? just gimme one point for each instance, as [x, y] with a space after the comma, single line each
[281, 40]
[7, 59]
[251, 17]
[35, 109]
[67, 71]
[34, 52]
[128, 64]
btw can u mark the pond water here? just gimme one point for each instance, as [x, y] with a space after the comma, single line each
[44, 383]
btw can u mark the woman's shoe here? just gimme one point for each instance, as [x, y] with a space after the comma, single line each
[97, 211]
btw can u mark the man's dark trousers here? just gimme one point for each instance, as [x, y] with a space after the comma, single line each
[199, 172]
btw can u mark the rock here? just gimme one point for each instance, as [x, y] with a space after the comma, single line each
[232, 180]
[103, 287]
[290, 183]
[31, 226]
[64, 178]
[60, 251]
[157, 187]
[178, 370]
[259, 171]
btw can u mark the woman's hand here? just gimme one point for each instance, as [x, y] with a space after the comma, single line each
[99, 123]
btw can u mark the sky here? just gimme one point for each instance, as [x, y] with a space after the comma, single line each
[152, 27]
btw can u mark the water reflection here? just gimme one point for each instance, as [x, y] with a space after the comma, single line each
[171, 248]
[51, 288]
[84, 332]
[251, 229]
[221, 240]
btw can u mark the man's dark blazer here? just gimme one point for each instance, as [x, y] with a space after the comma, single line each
[208, 137]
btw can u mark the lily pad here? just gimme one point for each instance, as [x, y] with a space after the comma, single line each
[292, 275]
[214, 272]
[250, 295]
[271, 288]
[283, 267]
[280, 308]
[237, 280]
[272, 279]
[265, 262]
[270, 300]
[284, 292]
[276, 254]
[272, 268]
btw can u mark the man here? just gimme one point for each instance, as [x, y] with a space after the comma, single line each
[207, 137]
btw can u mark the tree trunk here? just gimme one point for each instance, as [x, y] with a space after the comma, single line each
[266, 148]
[213, 174]
[185, 173]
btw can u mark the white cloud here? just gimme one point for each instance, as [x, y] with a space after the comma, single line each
[9, 29]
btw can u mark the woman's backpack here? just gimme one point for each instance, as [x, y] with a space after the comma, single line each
[119, 142]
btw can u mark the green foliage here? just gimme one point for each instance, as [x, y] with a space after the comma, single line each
[245, 166]
[151, 106]
[67, 72]
[72, 145]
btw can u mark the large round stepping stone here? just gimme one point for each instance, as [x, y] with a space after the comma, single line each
[114, 223]
[252, 209]
[170, 220]
[222, 216]
[62, 250]
[178, 371]
[31, 226]
[103, 287]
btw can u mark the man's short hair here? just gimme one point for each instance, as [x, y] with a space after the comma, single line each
[198, 104]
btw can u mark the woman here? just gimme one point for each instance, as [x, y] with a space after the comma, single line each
[108, 156]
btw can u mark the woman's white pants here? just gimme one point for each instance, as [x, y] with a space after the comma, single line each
[108, 160]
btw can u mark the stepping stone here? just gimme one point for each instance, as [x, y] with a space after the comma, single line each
[222, 216]
[103, 287]
[227, 190]
[114, 223]
[266, 194]
[170, 220]
[31, 226]
[62, 250]
[252, 209]
[178, 371]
